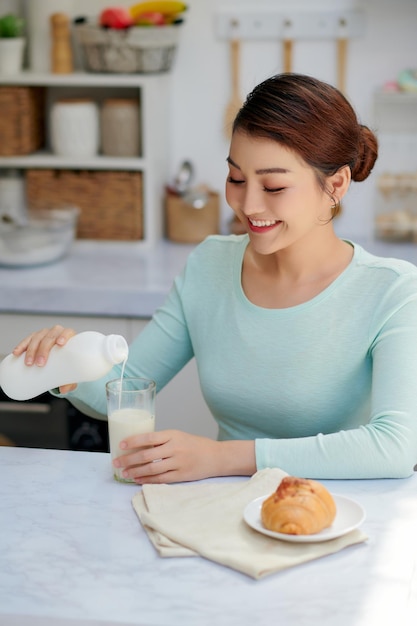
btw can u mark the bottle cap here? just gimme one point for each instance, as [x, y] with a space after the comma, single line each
[116, 348]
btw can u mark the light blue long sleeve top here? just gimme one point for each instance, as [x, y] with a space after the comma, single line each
[327, 388]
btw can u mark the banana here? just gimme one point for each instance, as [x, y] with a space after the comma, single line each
[167, 7]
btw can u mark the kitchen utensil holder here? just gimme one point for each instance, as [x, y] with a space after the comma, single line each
[110, 202]
[22, 119]
[185, 224]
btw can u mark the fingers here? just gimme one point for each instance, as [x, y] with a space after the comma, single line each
[38, 345]
[172, 476]
[150, 439]
[67, 388]
[154, 472]
[141, 454]
[167, 456]
[145, 454]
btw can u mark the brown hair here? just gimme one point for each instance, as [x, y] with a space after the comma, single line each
[312, 118]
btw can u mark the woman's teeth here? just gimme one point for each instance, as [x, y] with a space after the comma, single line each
[261, 223]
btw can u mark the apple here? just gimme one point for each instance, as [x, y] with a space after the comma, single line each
[150, 18]
[116, 17]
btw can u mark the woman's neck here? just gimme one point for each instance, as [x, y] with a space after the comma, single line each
[295, 274]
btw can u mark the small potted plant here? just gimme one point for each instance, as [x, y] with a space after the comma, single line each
[12, 44]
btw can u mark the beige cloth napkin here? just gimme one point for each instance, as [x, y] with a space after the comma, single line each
[207, 520]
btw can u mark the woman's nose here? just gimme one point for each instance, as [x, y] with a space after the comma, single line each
[251, 202]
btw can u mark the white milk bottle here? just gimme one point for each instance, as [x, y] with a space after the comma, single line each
[85, 357]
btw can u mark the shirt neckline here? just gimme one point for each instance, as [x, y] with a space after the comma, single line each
[298, 307]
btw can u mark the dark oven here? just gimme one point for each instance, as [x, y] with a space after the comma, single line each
[49, 422]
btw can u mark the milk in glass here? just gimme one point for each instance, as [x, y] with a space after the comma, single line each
[124, 423]
[130, 411]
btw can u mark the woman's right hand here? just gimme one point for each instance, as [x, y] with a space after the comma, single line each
[38, 346]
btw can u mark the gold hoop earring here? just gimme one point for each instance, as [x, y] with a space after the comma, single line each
[336, 209]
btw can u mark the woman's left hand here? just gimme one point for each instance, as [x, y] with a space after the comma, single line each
[171, 456]
[167, 456]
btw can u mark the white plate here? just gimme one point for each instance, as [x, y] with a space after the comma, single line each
[349, 515]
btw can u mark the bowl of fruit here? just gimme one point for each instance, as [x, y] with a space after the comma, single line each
[141, 38]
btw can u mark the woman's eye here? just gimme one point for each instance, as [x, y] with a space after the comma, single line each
[234, 181]
[274, 189]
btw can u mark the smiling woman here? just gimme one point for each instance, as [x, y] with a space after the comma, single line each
[285, 208]
[306, 345]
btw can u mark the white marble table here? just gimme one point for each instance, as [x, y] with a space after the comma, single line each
[73, 553]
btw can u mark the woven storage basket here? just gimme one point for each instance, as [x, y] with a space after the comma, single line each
[185, 224]
[110, 202]
[135, 50]
[22, 120]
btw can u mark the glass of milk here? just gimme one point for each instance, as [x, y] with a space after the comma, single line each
[130, 411]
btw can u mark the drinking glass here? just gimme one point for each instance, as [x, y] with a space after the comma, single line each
[130, 411]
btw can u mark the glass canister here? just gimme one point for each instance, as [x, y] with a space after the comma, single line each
[12, 198]
[75, 127]
[120, 127]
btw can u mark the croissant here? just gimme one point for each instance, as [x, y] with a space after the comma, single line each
[299, 506]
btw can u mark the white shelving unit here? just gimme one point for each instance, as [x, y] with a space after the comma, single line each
[153, 94]
[395, 119]
[395, 111]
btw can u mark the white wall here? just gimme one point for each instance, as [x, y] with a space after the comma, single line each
[201, 74]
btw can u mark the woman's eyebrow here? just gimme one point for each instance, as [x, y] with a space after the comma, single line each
[267, 170]
[231, 162]
[272, 170]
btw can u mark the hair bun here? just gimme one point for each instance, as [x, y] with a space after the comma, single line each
[367, 154]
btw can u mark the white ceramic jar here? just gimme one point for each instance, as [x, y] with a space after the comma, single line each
[75, 127]
[11, 55]
[120, 127]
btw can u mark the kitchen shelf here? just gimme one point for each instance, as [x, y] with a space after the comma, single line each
[395, 119]
[395, 111]
[88, 79]
[397, 97]
[152, 91]
[45, 159]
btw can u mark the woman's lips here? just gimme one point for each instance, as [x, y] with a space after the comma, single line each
[262, 226]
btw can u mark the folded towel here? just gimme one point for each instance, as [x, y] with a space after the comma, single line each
[206, 519]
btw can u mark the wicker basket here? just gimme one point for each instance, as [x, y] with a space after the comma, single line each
[110, 201]
[185, 224]
[135, 50]
[22, 120]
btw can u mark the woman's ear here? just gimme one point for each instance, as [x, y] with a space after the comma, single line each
[338, 184]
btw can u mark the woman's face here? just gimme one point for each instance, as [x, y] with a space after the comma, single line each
[274, 193]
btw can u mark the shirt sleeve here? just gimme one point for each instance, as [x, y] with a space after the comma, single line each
[158, 352]
[386, 446]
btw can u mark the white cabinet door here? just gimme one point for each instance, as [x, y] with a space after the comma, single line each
[180, 404]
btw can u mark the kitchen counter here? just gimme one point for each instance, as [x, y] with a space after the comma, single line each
[97, 278]
[115, 279]
[73, 552]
